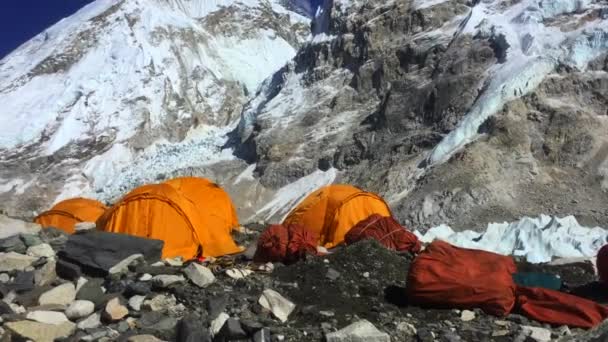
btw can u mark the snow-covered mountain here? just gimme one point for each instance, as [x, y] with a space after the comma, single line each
[122, 79]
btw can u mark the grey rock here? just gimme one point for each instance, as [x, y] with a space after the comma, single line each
[166, 280]
[10, 227]
[84, 226]
[216, 305]
[200, 275]
[4, 278]
[40, 332]
[144, 338]
[467, 315]
[12, 244]
[191, 329]
[12, 261]
[41, 251]
[46, 274]
[406, 329]
[358, 332]
[135, 302]
[262, 335]
[79, 309]
[157, 324]
[57, 238]
[537, 334]
[92, 291]
[23, 281]
[5, 309]
[138, 288]
[160, 303]
[231, 330]
[47, 317]
[425, 335]
[280, 306]
[67, 270]
[332, 274]
[123, 265]
[91, 322]
[63, 295]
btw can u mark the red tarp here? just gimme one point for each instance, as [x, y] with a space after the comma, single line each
[279, 243]
[385, 230]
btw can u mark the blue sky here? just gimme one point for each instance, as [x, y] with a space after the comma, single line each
[21, 20]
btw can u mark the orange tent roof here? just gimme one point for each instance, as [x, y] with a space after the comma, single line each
[159, 211]
[332, 211]
[210, 199]
[65, 214]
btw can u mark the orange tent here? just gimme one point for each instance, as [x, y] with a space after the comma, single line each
[159, 211]
[332, 211]
[210, 199]
[65, 214]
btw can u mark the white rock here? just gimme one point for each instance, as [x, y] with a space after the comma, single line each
[91, 322]
[18, 309]
[63, 294]
[537, 334]
[218, 323]
[238, 273]
[365, 274]
[145, 277]
[123, 265]
[10, 227]
[135, 302]
[79, 309]
[114, 311]
[46, 274]
[143, 338]
[80, 283]
[200, 275]
[267, 267]
[158, 263]
[362, 330]
[277, 304]
[160, 303]
[176, 262]
[467, 315]
[4, 278]
[41, 332]
[41, 251]
[407, 329]
[84, 226]
[165, 280]
[12, 261]
[48, 317]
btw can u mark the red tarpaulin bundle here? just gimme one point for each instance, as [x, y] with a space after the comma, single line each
[451, 277]
[559, 308]
[387, 231]
[279, 243]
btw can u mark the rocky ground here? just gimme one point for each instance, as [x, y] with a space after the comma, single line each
[53, 289]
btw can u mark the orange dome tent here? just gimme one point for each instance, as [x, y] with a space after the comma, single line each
[159, 211]
[332, 211]
[210, 199]
[66, 214]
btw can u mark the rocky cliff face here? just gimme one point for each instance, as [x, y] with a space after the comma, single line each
[456, 111]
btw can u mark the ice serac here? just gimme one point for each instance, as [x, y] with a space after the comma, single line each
[122, 79]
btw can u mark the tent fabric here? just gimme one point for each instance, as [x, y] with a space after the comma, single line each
[447, 276]
[542, 280]
[159, 211]
[210, 199]
[602, 264]
[554, 307]
[385, 230]
[66, 214]
[287, 244]
[330, 212]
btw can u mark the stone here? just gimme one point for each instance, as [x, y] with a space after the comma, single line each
[135, 302]
[217, 324]
[277, 304]
[138, 288]
[31, 239]
[564, 331]
[361, 331]
[48, 317]
[67, 270]
[63, 294]
[80, 283]
[407, 329]
[200, 275]
[41, 251]
[84, 226]
[160, 303]
[467, 315]
[216, 305]
[11, 261]
[93, 292]
[54, 237]
[537, 334]
[4, 278]
[145, 277]
[165, 280]
[23, 281]
[425, 335]
[231, 330]
[114, 310]
[499, 333]
[157, 324]
[144, 338]
[91, 322]
[40, 332]
[175, 262]
[123, 265]
[13, 244]
[46, 274]
[157, 270]
[79, 309]
[177, 310]
[18, 309]
[262, 335]
[97, 252]
[502, 323]
[191, 329]
[122, 327]
[238, 273]
[332, 274]
[10, 227]
[251, 326]
[5, 308]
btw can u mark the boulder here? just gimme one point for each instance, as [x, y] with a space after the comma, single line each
[40, 332]
[48, 317]
[63, 294]
[165, 280]
[68, 270]
[277, 304]
[135, 302]
[12, 244]
[97, 252]
[46, 274]
[10, 227]
[12, 261]
[361, 331]
[91, 322]
[79, 309]
[114, 310]
[41, 251]
[200, 275]
[191, 329]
